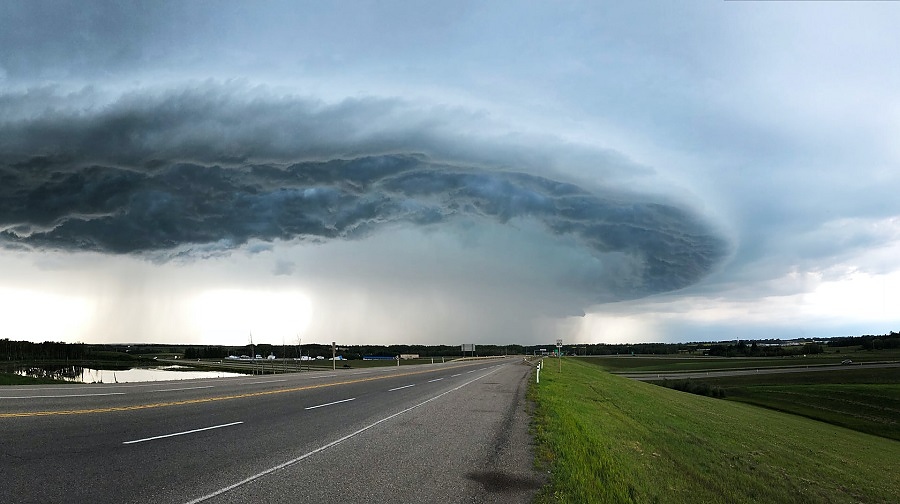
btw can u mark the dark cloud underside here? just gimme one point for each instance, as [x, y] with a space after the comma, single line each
[162, 175]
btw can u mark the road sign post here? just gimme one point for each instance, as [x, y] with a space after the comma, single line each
[559, 353]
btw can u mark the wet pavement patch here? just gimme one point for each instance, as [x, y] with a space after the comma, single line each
[500, 482]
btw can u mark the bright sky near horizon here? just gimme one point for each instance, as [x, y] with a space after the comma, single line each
[448, 172]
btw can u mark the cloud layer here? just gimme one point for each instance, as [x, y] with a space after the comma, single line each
[188, 173]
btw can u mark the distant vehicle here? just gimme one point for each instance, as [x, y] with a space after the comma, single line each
[319, 357]
[271, 357]
[846, 361]
[258, 356]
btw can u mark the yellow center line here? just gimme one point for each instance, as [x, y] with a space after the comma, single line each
[135, 407]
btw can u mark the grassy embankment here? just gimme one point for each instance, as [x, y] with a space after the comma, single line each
[858, 397]
[610, 439]
[863, 399]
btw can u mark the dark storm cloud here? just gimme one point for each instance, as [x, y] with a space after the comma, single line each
[192, 172]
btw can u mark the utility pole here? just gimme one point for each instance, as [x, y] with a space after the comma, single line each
[252, 355]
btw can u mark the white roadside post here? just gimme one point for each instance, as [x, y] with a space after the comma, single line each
[333, 355]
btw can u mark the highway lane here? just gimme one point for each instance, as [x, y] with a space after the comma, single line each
[32, 400]
[179, 441]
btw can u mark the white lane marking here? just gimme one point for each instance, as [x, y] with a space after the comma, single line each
[403, 387]
[454, 376]
[436, 379]
[324, 376]
[97, 386]
[261, 382]
[472, 371]
[58, 396]
[183, 388]
[327, 446]
[329, 404]
[182, 433]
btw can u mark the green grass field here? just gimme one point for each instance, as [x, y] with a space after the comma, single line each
[864, 399]
[641, 363]
[609, 439]
[874, 409]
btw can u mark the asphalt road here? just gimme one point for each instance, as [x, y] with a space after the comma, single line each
[454, 432]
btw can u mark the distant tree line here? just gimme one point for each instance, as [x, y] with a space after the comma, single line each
[48, 350]
[868, 342]
[347, 351]
[618, 349]
[13, 351]
[742, 349]
[737, 348]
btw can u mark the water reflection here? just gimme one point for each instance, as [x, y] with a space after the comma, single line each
[81, 374]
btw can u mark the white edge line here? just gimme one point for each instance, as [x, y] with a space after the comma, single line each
[454, 376]
[403, 387]
[267, 381]
[327, 446]
[182, 433]
[61, 395]
[183, 388]
[436, 379]
[329, 404]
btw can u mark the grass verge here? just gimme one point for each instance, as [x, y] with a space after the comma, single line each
[609, 439]
[14, 379]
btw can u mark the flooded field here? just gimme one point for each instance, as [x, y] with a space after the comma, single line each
[79, 374]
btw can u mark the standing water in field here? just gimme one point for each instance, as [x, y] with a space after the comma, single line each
[81, 374]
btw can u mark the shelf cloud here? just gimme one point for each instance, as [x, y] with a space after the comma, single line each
[431, 172]
[195, 173]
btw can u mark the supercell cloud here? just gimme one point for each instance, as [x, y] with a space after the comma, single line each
[449, 171]
[188, 173]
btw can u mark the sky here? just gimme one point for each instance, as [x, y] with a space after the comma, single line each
[448, 172]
